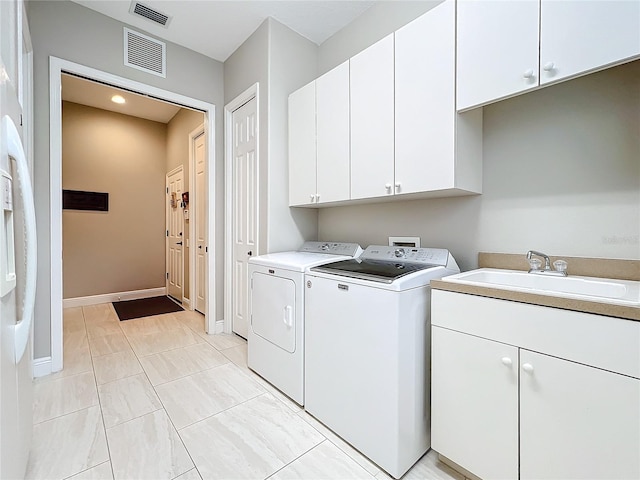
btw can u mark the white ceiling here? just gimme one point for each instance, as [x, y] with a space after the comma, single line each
[93, 94]
[217, 28]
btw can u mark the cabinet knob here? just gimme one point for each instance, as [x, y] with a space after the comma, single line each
[548, 66]
[313, 198]
[398, 185]
[528, 74]
[388, 187]
[506, 361]
[317, 198]
[527, 367]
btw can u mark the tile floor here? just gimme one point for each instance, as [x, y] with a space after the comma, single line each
[158, 398]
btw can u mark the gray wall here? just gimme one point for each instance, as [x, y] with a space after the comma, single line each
[280, 61]
[561, 175]
[374, 24]
[72, 32]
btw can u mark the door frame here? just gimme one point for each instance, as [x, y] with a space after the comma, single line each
[244, 97]
[167, 213]
[193, 193]
[58, 66]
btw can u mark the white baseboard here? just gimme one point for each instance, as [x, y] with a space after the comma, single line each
[41, 366]
[219, 328]
[186, 303]
[113, 297]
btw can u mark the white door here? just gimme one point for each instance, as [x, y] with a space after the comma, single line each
[474, 403]
[332, 99]
[425, 102]
[17, 277]
[497, 46]
[302, 145]
[576, 37]
[372, 119]
[200, 217]
[175, 229]
[582, 421]
[273, 305]
[245, 209]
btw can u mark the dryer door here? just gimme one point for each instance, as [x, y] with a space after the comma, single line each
[273, 308]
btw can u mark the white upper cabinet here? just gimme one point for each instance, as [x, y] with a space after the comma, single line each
[497, 49]
[302, 146]
[332, 104]
[509, 47]
[435, 148]
[577, 37]
[372, 121]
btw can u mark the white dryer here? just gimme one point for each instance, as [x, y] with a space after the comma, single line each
[367, 340]
[276, 332]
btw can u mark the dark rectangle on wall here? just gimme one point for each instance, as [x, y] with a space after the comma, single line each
[78, 200]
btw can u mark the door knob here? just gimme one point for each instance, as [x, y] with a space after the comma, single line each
[200, 247]
[249, 253]
[178, 243]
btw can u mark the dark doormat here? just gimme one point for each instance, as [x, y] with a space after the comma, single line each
[145, 307]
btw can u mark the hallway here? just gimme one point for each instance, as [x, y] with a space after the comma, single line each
[157, 397]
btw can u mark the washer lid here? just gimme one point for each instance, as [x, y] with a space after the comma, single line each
[295, 261]
[375, 270]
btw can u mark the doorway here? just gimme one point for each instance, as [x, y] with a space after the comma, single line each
[57, 68]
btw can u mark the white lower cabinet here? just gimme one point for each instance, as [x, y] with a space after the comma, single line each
[503, 411]
[474, 403]
[577, 421]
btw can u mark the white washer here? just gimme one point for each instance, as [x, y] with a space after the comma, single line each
[367, 340]
[276, 331]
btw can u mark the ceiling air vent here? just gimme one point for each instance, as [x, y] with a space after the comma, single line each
[145, 53]
[149, 13]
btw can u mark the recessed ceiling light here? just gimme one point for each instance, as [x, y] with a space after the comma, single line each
[118, 99]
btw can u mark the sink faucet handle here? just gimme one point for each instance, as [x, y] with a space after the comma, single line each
[535, 263]
[547, 262]
[560, 265]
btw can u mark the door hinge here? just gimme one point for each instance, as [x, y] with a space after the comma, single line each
[167, 190]
[206, 249]
[167, 233]
[20, 119]
[167, 275]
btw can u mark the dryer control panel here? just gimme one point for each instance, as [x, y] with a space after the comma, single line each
[431, 256]
[333, 248]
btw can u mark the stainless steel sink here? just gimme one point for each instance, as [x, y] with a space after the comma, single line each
[622, 292]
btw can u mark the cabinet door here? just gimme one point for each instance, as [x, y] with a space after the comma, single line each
[425, 102]
[497, 49]
[332, 103]
[302, 145]
[577, 421]
[474, 403]
[372, 118]
[576, 37]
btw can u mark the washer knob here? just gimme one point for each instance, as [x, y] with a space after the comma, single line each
[399, 253]
[325, 247]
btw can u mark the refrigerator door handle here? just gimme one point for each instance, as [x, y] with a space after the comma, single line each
[24, 202]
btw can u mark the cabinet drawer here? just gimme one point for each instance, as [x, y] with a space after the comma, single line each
[603, 342]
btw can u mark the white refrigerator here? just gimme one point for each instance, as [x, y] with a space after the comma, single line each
[17, 261]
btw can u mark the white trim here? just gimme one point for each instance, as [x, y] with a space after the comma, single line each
[56, 67]
[186, 303]
[113, 297]
[41, 367]
[244, 97]
[192, 224]
[167, 213]
[219, 326]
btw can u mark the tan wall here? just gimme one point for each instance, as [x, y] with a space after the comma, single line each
[122, 249]
[178, 129]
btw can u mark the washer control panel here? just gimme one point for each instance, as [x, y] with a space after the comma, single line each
[333, 248]
[431, 256]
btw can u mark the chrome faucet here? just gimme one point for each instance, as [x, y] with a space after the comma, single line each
[534, 264]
